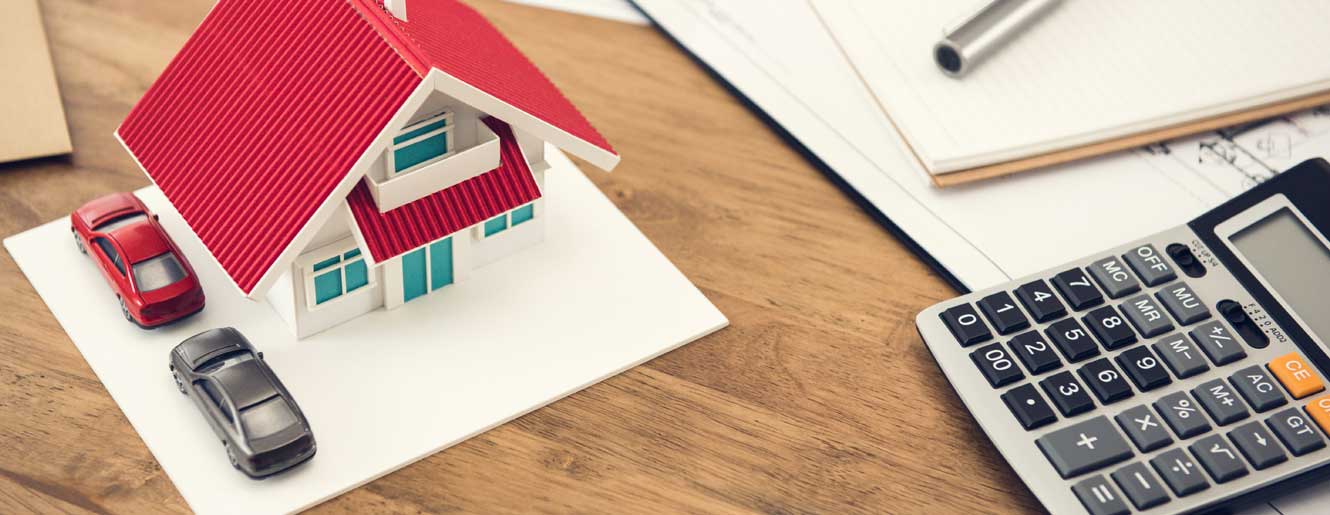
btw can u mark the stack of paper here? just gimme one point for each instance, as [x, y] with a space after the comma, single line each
[1087, 73]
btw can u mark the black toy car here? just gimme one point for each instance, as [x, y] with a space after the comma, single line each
[259, 423]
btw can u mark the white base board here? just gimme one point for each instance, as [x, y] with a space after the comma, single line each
[390, 387]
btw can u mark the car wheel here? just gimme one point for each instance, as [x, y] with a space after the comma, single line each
[231, 455]
[124, 309]
[78, 242]
[179, 385]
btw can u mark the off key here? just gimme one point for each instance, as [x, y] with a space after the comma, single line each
[1296, 375]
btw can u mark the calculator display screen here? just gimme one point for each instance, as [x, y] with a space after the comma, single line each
[1294, 263]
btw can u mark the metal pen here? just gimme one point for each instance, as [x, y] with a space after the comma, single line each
[965, 44]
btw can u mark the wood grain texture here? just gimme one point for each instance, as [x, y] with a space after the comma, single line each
[819, 398]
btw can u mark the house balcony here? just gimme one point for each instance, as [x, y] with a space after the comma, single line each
[443, 172]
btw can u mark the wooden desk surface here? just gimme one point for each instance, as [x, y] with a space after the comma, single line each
[819, 398]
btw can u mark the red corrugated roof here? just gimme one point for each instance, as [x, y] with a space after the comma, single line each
[457, 40]
[260, 117]
[458, 207]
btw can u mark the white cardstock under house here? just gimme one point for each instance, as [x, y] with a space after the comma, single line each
[391, 386]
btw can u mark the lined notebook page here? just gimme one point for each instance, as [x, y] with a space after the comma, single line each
[1089, 71]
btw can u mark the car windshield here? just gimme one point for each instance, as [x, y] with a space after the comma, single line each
[157, 272]
[120, 221]
[225, 360]
[267, 418]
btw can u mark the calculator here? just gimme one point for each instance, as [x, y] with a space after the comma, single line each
[1180, 373]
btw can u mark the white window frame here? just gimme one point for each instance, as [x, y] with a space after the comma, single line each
[325, 253]
[447, 129]
[479, 230]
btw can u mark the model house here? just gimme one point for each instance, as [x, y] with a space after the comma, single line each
[341, 156]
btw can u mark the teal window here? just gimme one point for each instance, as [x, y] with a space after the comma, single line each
[496, 225]
[338, 275]
[427, 269]
[512, 218]
[422, 142]
[524, 213]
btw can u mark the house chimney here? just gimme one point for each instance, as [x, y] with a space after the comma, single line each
[397, 7]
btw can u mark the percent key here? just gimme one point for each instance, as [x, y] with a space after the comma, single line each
[1179, 411]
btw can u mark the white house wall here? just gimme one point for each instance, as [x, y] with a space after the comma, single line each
[341, 309]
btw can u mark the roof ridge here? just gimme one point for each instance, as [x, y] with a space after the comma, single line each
[406, 47]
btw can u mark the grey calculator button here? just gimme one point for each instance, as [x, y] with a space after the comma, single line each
[1150, 265]
[1099, 497]
[1183, 304]
[1144, 428]
[1219, 400]
[1179, 472]
[1182, 415]
[1147, 316]
[1294, 428]
[1256, 386]
[1218, 342]
[1083, 447]
[1257, 445]
[1219, 458]
[1114, 278]
[1181, 355]
[1140, 485]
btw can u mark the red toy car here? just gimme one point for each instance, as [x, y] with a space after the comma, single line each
[151, 278]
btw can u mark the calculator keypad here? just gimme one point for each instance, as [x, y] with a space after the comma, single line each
[1182, 441]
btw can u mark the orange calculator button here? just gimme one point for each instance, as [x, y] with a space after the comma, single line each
[1319, 409]
[1298, 377]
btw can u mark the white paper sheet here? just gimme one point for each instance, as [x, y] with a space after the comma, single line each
[779, 56]
[618, 10]
[390, 387]
[1089, 71]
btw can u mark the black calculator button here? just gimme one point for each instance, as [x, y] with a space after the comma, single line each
[1084, 447]
[1028, 406]
[997, 365]
[1183, 304]
[1140, 485]
[1110, 328]
[1076, 287]
[965, 325]
[1218, 343]
[1035, 352]
[1039, 300]
[1067, 394]
[1105, 381]
[1181, 355]
[1219, 458]
[1150, 265]
[1114, 278]
[1001, 310]
[1257, 445]
[1220, 401]
[1256, 386]
[1143, 368]
[1146, 316]
[1072, 340]
[1182, 415]
[1144, 428]
[1099, 497]
[1181, 474]
[1294, 428]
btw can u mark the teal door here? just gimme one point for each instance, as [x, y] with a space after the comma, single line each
[418, 278]
[441, 263]
[413, 274]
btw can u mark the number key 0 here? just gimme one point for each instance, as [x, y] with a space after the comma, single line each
[965, 325]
